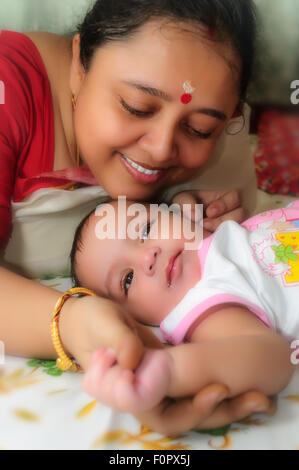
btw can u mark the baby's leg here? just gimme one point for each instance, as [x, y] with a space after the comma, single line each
[125, 390]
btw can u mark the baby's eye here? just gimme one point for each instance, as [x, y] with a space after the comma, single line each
[146, 231]
[126, 282]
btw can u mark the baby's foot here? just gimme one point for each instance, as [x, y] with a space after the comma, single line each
[125, 390]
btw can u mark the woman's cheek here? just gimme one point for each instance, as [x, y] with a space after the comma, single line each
[197, 155]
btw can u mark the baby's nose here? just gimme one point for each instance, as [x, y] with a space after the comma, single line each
[148, 260]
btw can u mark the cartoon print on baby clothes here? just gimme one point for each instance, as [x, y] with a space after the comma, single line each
[278, 254]
[288, 250]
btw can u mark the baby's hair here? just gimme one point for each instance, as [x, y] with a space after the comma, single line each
[229, 21]
[78, 243]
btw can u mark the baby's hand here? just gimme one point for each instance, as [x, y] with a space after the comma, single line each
[124, 390]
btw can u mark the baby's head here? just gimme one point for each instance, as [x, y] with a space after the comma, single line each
[147, 274]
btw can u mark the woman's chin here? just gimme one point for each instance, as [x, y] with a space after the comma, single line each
[132, 191]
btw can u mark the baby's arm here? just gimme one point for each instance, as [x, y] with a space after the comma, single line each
[231, 346]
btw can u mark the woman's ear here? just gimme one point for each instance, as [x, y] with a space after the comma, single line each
[77, 72]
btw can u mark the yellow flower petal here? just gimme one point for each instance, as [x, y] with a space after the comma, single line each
[16, 374]
[86, 410]
[26, 415]
[54, 392]
[108, 437]
[157, 445]
[16, 379]
[293, 398]
[227, 442]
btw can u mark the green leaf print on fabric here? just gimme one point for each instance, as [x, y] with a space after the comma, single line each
[49, 367]
[284, 253]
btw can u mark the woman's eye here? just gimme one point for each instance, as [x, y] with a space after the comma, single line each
[146, 231]
[202, 135]
[139, 113]
[126, 282]
[135, 112]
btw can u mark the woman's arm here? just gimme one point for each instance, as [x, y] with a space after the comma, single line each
[85, 323]
[25, 315]
[254, 362]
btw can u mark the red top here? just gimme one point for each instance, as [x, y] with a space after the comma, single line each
[26, 126]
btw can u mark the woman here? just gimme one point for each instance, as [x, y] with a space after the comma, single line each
[140, 96]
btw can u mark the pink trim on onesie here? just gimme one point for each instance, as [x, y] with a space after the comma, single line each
[289, 214]
[178, 334]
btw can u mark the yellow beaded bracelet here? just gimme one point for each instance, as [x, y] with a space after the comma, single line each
[64, 362]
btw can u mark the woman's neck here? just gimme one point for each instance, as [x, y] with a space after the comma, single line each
[64, 95]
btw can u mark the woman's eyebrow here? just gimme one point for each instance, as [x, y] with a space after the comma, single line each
[148, 90]
[164, 96]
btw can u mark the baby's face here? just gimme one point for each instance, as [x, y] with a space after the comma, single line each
[148, 276]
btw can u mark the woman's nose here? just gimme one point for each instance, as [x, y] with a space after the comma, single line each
[148, 259]
[159, 142]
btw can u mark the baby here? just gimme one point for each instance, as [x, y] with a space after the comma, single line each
[230, 307]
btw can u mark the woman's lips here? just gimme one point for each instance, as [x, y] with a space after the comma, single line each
[173, 268]
[142, 177]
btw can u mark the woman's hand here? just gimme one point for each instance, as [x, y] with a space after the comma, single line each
[209, 409]
[218, 206]
[90, 323]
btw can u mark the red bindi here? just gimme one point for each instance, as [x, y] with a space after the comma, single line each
[186, 98]
[189, 90]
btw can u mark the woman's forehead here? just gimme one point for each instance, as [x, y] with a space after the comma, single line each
[168, 58]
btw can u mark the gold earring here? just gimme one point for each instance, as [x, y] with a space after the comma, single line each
[74, 102]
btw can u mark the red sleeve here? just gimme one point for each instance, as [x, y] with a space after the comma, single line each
[14, 119]
[7, 172]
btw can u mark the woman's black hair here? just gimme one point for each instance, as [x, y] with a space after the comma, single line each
[233, 21]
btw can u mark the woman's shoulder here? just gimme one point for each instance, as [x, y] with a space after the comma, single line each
[48, 44]
[54, 49]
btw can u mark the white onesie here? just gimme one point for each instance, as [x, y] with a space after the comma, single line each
[255, 264]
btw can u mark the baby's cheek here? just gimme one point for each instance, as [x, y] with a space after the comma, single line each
[162, 305]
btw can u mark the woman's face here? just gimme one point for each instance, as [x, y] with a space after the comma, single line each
[132, 129]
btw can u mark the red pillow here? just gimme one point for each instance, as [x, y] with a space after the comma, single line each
[277, 156]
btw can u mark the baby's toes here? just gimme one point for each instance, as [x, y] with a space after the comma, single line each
[127, 399]
[153, 374]
[147, 387]
[97, 372]
[103, 364]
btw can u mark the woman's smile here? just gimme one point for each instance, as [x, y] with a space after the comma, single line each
[141, 173]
